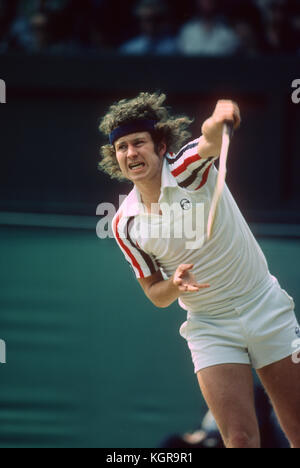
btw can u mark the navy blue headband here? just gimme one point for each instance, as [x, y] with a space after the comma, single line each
[132, 127]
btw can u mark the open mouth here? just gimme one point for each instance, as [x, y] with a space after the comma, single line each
[136, 166]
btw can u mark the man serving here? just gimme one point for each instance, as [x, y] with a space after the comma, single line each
[238, 317]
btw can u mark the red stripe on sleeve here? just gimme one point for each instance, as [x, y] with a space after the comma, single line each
[204, 177]
[185, 164]
[123, 246]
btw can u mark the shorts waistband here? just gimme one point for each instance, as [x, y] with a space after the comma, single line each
[238, 301]
[255, 292]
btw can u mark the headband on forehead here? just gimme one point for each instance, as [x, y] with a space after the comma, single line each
[132, 127]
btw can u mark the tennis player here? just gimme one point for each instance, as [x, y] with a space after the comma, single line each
[238, 316]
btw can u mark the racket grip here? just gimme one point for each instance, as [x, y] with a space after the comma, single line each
[228, 128]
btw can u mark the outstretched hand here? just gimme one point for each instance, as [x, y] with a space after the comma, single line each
[186, 281]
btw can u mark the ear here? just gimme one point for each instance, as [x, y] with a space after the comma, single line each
[162, 149]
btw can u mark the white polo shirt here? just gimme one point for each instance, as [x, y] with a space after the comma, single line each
[231, 261]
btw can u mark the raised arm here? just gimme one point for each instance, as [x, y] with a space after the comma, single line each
[211, 139]
[191, 166]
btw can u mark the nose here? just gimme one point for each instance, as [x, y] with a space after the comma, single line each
[131, 151]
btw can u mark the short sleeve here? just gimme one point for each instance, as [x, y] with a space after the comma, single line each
[190, 170]
[142, 263]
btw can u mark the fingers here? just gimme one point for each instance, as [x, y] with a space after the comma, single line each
[227, 110]
[181, 272]
[185, 281]
[182, 269]
[186, 287]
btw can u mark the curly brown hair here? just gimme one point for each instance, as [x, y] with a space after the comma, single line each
[170, 129]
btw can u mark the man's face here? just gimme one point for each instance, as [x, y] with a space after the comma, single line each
[137, 157]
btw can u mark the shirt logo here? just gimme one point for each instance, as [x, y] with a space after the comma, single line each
[185, 204]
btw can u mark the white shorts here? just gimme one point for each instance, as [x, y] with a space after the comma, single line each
[258, 329]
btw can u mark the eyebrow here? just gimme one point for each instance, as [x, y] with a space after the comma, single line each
[133, 140]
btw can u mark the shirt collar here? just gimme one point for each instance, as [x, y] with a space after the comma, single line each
[132, 204]
[167, 179]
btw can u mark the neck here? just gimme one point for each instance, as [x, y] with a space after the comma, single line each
[150, 191]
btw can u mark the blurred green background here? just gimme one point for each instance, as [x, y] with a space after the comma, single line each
[90, 361]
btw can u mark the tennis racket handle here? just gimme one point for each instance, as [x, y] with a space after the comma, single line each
[228, 128]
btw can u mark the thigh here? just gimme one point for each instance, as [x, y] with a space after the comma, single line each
[282, 383]
[229, 393]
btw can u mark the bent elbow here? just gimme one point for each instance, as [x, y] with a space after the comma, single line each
[162, 306]
[158, 303]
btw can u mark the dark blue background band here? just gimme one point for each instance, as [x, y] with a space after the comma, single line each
[132, 127]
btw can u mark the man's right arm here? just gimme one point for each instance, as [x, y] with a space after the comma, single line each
[163, 293]
[192, 164]
[211, 140]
